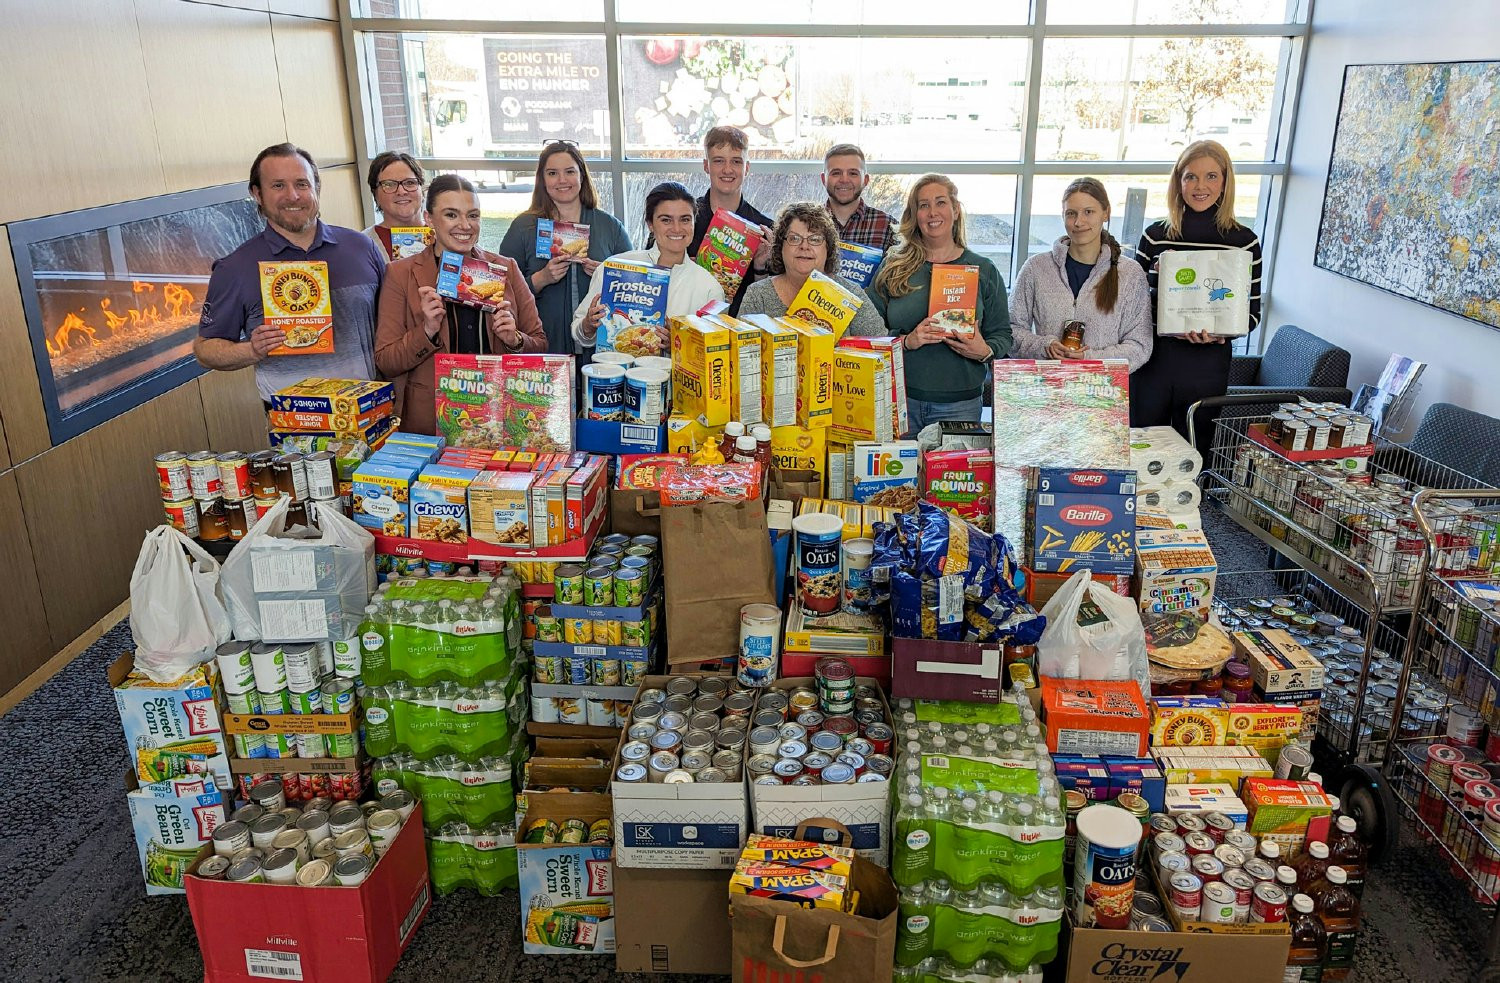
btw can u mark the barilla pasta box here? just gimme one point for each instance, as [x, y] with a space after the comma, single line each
[700, 370]
[824, 301]
[440, 504]
[800, 449]
[553, 239]
[173, 820]
[962, 483]
[778, 370]
[729, 244]
[1176, 570]
[893, 348]
[1278, 662]
[634, 296]
[745, 347]
[814, 374]
[1092, 716]
[409, 241]
[954, 298]
[778, 882]
[342, 397]
[500, 507]
[887, 475]
[802, 854]
[1082, 518]
[472, 281]
[863, 407]
[858, 264]
[1188, 721]
[382, 495]
[295, 297]
[172, 730]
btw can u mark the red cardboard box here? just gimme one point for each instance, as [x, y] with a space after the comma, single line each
[928, 669]
[349, 934]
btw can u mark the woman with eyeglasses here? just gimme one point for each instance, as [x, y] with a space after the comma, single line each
[804, 240]
[396, 183]
[563, 192]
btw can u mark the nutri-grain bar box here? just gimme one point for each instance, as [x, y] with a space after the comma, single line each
[472, 281]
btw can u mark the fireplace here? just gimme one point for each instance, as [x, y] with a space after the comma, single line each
[112, 297]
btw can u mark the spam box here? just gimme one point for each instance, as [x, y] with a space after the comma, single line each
[440, 504]
[888, 474]
[814, 374]
[802, 854]
[954, 299]
[823, 301]
[346, 398]
[1095, 716]
[863, 407]
[858, 264]
[1280, 809]
[1278, 662]
[1177, 571]
[892, 347]
[779, 882]
[1188, 721]
[471, 281]
[382, 495]
[778, 370]
[295, 298]
[700, 370]
[1084, 518]
[1205, 797]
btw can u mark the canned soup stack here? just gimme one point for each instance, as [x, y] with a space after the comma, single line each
[690, 730]
[323, 843]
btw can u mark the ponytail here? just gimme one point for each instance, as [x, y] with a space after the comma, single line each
[1108, 290]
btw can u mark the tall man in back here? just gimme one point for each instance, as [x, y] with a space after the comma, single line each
[726, 162]
[845, 180]
[232, 333]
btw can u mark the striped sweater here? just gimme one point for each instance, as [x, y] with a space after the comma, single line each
[1200, 232]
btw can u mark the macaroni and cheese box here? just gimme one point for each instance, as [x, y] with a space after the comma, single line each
[729, 244]
[814, 374]
[824, 301]
[800, 449]
[954, 299]
[745, 347]
[700, 370]
[863, 407]
[1177, 571]
[634, 296]
[893, 348]
[1179, 768]
[1082, 518]
[1091, 716]
[859, 264]
[553, 239]
[887, 475]
[409, 241]
[1278, 662]
[1204, 797]
[962, 483]
[341, 397]
[500, 507]
[295, 297]
[382, 496]
[778, 370]
[471, 281]
[440, 504]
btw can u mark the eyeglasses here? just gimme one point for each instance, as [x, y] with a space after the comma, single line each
[793, 239]
[410, 184]
[553, 143]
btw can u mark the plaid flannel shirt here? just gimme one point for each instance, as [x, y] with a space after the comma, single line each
[867, 227]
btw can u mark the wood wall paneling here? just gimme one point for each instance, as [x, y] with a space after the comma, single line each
[28, 644]
[212, 76]
[340, 202]
[314, 94]
[233, 413]
[325, 9]
[73, 107]
[88, 502]
[20, 394]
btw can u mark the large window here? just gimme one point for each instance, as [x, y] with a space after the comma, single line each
[1013, 104]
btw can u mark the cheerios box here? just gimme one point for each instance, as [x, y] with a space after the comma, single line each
[382, 495]
[863, 405]
[700, 369]
[778, 370]
[440, 504]
[814, 374]
[825, 302]
[801, 449]
[887, 474]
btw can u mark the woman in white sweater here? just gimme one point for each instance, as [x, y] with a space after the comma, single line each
[670, 211]
[1082, 279]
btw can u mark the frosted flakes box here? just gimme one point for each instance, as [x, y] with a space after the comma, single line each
[472, 281]
[519, 401]
[825, 302]
[729, 244]
[346, 398]
[440, 504]
[409, 241]
[553, 239]
[295, 297]
[634, 296]
[859, 264]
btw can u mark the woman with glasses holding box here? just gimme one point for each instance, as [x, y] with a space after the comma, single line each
[396, 182]
[563, 192]
[804, 240]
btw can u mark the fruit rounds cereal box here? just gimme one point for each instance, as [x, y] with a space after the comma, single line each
[523, 401]
[729, 243]
[962, 483]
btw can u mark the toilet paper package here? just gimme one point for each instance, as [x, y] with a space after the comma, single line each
[1160, 454]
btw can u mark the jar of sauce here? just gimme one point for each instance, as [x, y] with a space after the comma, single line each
[1238, 687]
[1072, 336]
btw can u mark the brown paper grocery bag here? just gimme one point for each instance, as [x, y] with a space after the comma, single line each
[794, 485]
[716, 558]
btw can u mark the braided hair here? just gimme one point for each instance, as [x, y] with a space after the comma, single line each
[1108, 291]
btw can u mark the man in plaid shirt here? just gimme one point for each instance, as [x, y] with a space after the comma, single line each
[845, 179]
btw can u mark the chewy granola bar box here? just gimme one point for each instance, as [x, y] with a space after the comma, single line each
[295, 297]
[440, 504]
[729, 244]
[409, 241]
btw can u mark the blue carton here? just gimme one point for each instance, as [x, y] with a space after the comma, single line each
[613, 437]
[635, 297]
[382, 495]
[1139, 775]
[858, 264]
[1082, 518]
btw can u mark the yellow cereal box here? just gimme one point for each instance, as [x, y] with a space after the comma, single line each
[1266, 727]
[1185, 722]
[744, 368]
[863, 408]
[824, 301]
[778, 370]
[700, 369]
[295, 298]
[814, 374]
[685, 434]
[500, 509]
[897, 353]
[801, 449]
[840, 483]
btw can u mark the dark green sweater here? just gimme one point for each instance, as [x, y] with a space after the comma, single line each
[937, 373]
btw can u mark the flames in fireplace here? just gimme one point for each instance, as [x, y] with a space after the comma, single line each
[84, 337]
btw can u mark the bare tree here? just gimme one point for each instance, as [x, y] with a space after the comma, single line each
[1070, 91]
[1187, 76]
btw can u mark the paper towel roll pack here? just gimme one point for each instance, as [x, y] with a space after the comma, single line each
[1160, 454]
[1170, 496]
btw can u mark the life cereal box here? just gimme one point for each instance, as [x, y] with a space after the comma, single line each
[500, 507]
[295, 297]
[893, 348]
[859, 264]
[634, 296]
[954, 299]
[778, 370]
[440, 504]
[472, 281]
[382, 496]
[814, 374]
[553, 239]
[345, 398]
[409, 241]
[888, 475]
[824, 301]
[728, 246]
[962, 483]
[521, 401]
[863, 407]
[700, 369]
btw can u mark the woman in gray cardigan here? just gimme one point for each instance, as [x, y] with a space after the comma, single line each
[564, 193]
[804, 240]
[1082, 279]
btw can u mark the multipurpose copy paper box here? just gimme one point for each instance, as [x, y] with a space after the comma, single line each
[1177, 571]
[295, 298]
[823, 301]
[471, 281]
[671, 921]
[686, 826]
[865, 808]
[863, 407]
[778, 370]
[173, 819]
[1095, 716]
[567, 890]
[814, 374]
[955, 298]
[858, 264]
[172, 729]
[892, 347]
[1097, 955]
[634, 296]
[700, 370]
[1278, 662]
[249, 933]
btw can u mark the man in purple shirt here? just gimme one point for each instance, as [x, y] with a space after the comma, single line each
[232, 333]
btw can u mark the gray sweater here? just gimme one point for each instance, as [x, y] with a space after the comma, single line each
[1041, 300]
[761, 298]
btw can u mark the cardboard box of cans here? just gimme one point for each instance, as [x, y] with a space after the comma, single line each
[567, 888]
[171, 729]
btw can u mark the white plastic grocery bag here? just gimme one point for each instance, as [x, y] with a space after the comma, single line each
[1203, 290]
[176, 614]
[1110, 644]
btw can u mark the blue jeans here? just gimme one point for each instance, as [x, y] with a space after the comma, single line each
[920, 413]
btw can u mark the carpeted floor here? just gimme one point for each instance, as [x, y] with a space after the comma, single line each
[72, 906]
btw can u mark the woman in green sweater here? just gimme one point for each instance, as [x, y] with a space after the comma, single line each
[944, 371]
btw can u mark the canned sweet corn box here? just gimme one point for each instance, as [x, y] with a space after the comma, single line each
[700, 369]
[863, 406]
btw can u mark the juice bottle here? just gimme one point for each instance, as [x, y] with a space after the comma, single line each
[1339, 910]
[1304, 963]
[1346, 849]
[1311, 865]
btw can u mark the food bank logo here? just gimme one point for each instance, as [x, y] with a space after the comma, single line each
[1122, 962]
